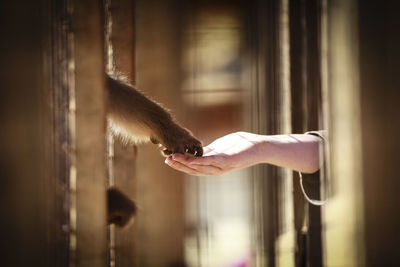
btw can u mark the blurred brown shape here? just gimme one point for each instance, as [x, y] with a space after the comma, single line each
[121, 210]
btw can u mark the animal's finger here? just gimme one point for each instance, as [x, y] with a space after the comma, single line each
[166, 152]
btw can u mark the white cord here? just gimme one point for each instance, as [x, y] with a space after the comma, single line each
[315, 202]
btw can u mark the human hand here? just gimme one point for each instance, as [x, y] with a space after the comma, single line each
[233, 151]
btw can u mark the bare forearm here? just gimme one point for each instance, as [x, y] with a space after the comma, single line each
[238, 150]
[299, 152]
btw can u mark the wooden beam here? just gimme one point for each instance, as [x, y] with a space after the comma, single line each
[121, 39]
[88, 242]
[26, 200]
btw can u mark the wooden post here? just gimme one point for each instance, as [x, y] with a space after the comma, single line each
[312, 17]
[88, 241]
[343, 238]
[26, 199]
[124, 160]
[379, 57]
[306, 113]
[160, 194]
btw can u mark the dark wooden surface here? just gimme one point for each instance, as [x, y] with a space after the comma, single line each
[124, 158]
[27, 200]
[380, 95]
[306, 116]
[89, 140]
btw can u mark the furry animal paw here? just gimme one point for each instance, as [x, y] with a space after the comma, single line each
[179, 140]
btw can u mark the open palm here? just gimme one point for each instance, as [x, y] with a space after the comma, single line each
[230, 152]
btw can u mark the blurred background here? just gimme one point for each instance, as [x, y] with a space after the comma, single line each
[268, 67]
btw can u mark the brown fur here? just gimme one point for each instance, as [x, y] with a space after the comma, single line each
[120, 208]
[137, 118]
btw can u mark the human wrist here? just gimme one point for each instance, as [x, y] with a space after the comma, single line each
[263, 151]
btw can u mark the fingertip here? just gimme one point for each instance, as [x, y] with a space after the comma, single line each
[207, 150]
[168, 160]
[179, 157]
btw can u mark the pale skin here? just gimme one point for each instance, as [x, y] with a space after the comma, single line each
[299, 152]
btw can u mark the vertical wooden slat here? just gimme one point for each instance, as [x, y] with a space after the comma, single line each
[59, 57]
[342, 214]
[313, 111]
[255, 82]
[297, 86]
[263, 37]
[88, 162]
[25, 115]
[380, 126]
[306, 105]
[125, 180]
[285, 243]
[122, 60]
[160, 194]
